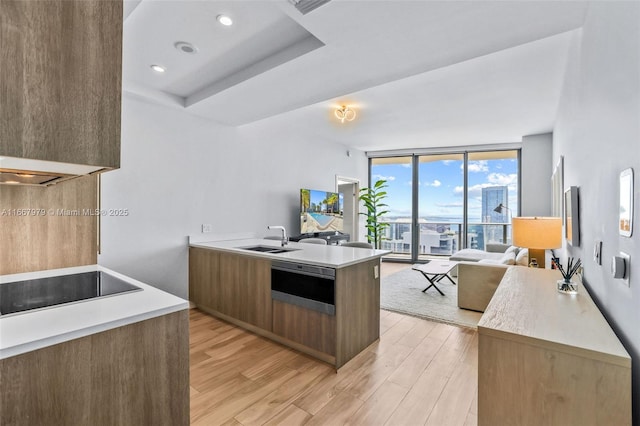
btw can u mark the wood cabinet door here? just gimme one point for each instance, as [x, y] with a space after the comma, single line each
[203, 271]
[313, 329]
[60, 91]
[245, 289]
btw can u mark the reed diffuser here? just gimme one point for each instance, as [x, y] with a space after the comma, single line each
[565, 285]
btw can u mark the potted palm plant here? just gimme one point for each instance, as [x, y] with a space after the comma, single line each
[373, 200]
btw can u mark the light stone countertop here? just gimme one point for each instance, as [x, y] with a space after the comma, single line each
[332, 256]
[31, 330]
[528, 308]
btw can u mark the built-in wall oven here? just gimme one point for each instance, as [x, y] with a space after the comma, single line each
[308, 286]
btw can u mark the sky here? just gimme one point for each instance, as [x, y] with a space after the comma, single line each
[442, 185]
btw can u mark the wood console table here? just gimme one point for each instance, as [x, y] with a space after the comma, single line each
[549, 358]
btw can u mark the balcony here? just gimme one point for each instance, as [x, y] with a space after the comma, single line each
[443, 238]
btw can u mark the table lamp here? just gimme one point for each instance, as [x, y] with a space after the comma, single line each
[537, 234]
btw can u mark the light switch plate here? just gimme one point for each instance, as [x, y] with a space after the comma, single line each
[597, 252]
[206, 228]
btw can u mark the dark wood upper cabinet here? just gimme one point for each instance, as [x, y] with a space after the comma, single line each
[61, 80]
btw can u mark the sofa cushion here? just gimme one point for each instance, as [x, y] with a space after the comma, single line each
[506, 259]
[474, 255]
[512, 249]
[522, 259]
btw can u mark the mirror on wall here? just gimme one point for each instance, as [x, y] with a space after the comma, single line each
[626, 203]
[572, 216]
[557, 185]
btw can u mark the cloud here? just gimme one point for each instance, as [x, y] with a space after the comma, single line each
[494, 179]
[474, 190]
[503, 179]
[436, 183]
[478, 166]
[380, 177]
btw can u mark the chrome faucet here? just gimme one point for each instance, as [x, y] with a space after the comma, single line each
[284, 239]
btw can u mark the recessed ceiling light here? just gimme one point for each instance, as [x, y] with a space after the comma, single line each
[185, 47]
[158, 68]
[225, 20]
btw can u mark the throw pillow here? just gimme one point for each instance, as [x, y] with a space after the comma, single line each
[522, 259]
[512, 249]
[508, 259]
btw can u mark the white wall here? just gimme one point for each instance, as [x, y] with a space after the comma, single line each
[536, 170]
[598, 132]
[179, 171]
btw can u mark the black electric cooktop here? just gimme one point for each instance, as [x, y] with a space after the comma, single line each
[39, 293]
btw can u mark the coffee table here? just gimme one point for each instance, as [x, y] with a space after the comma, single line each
[434, 271]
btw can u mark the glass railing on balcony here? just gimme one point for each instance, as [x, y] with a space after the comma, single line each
[444, 238]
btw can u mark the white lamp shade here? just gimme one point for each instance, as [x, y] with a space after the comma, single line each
[537, 232]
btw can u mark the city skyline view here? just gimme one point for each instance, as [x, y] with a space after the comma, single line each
[441, 186]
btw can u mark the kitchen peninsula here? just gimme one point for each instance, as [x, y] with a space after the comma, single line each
[320, 300]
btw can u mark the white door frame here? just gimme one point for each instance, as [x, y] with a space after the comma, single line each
[341, 180]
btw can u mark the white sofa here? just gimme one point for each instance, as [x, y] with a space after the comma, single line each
[495, 253]
[478, 280]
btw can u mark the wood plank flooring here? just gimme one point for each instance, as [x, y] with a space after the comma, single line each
[418, 373]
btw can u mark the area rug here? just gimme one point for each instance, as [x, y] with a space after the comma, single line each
[402, 292]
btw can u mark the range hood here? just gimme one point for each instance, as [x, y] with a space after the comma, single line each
[25, 171]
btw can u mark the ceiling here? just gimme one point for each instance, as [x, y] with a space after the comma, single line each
[419, 74]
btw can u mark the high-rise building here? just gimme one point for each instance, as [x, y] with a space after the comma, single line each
[492, 197]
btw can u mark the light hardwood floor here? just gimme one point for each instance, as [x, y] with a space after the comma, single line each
[418, 373]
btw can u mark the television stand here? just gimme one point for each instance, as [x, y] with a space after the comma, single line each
[332, 237]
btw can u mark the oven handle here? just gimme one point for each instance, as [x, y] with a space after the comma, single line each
[302, 269]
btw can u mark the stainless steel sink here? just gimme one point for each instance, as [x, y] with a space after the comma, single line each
[268, 249]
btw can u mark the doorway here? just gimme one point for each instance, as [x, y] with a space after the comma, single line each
[349, 190]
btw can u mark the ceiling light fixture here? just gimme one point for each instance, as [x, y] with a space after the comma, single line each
[158, 68]
[225, 20]
[186, 47]
[345, 113]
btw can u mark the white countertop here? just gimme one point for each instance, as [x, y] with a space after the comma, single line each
[28, 331]
[332, 256]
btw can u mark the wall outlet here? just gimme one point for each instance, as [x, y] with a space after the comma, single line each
[206, 228]
[627, 268]
[376, 271]
[620, 267]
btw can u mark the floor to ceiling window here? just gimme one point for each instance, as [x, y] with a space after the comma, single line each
[398, 172]
[440, 207]
[442, 202]
[492, 197]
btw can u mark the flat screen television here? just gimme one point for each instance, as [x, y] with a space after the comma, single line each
[320, 211]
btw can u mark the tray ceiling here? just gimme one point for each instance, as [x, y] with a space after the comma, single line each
[421, 73]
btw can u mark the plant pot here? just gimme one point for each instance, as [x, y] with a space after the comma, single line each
[567, 286]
